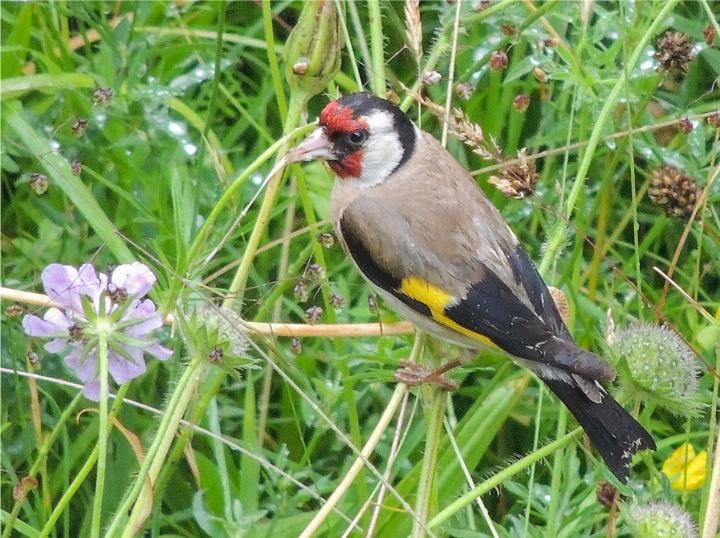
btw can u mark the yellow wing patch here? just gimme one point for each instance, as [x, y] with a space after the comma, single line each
[437, 299]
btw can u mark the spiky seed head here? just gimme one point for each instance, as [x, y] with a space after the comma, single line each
[673, 191]
[660, 519]
[658, 366]
[674, 52]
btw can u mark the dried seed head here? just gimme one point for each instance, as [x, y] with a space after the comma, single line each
[336, 301]
[33, 358]
[430, 78]
[76, 167]
[714, 119]
[296, 345]
[39, 183]
[540, 75]
[686, 125]
[517, 180]
[605, 493]
[521, 102]
[372, 304]
[301, 66]
[103, 96]
[14, 310]
[301, 291]
[509, 30]
[709, 34]
[498, 60]
[660, 518]
[673, 191]
[464, 90]
[413, 28]
[315, 271]
[78, 128]
[313, 314]
[674, 52]
[657, 365]
[326, 239]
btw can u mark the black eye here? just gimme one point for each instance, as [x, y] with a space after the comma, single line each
[357, 138]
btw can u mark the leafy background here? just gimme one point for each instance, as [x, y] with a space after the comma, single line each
[198, 93]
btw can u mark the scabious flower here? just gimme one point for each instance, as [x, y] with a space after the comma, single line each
[93, 304]
[685, 469]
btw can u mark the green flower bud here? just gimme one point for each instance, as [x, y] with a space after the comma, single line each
[656, 365]
[312, 52]
[660, 519]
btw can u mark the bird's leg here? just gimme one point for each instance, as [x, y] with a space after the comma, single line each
[414, 374]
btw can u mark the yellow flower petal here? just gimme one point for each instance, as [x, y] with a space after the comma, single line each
[685, 469]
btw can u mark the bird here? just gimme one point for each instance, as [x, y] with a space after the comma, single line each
[420, 230]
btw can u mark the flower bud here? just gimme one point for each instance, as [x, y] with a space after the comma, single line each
[521, 102]
[313, 314]
[430, 78]
[312, 52]
[39, 183]
[498, 60]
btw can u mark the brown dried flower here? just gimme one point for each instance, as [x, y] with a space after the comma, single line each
[313, 314]
[498, 61]
[14, 310]
[326, 239]
[686, 125]
[372, 304]
[673, 191]
[296, 345]
[709, 34]
[39, 183]
[605, 493]
[674, 52]
[464, 90]
[102, 96]
[430, 78]
[521, 102]
[509, 30]
[76, 167]
[714, 119]
[78, 128]
[336, 301]
[301, 291]
[517, 180]
[315, 271]
[540, 75]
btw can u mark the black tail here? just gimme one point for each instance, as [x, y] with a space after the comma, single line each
[613, 432]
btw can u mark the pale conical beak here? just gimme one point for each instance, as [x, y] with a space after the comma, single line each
[315, 146]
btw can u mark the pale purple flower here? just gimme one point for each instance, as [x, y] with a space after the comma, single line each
[93, 304]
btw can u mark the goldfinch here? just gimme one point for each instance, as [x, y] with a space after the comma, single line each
[420, 230]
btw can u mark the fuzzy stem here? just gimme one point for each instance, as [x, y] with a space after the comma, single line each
[557, 236]
[272, 60]
[433, 433]
[156, 453]
[102, 436]
[497, 479]
[81, 474]
[710, 517]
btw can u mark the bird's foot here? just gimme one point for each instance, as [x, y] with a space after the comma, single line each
[413, 374]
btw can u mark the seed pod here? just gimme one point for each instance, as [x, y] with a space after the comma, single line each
[315, 271]
[39, 183]
[521, 102]
[78, 128]
[33, 358]
[326, 239]
[540, 75]
[673, 191]
[430, 78]
[498, 61]
[14, 310]
[296, 345]
[674, 52]
[313, 314]
[76, 167]
[301, 291]
[336, 301]
[313, 50]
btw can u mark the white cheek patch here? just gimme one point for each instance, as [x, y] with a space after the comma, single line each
[382, 152]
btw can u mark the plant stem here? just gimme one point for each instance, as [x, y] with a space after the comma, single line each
[103, 432]
[377, 48]
[497, 479]
[81, 474]
[434, 419]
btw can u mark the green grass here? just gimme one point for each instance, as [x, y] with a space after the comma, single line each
[201, 112]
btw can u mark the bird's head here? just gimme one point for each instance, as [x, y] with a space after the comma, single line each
[363, 138]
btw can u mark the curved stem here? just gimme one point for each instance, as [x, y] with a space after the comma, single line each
[102, 436]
